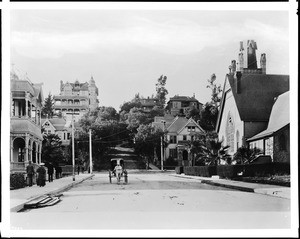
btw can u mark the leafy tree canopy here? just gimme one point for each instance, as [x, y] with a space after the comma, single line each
[161, 91]
[51, 149]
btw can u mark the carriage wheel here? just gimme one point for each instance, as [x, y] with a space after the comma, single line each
[109, 177]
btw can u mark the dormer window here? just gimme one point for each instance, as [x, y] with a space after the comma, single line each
[191, 128]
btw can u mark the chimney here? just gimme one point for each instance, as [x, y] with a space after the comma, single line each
[263, 63]
[233, 66]
[238, 78]
[251, 54]
[241, 62]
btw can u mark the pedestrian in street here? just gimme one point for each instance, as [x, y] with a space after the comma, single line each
[30, 173]
[78, 169]
[41, 178]
[50, 172]
[118, 169]
[56, 171]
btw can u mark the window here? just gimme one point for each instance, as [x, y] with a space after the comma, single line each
[47, 124]
[230, 132]
[173, 139]
[173, 153]
[184, 137]
[191, 128]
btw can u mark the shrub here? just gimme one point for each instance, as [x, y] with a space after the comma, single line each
[17, 180]
[179, 169]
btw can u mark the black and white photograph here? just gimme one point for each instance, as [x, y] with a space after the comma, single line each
[149, 119]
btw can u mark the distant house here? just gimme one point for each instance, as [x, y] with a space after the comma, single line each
[25, 122]
[76, 98]
[59, 127]
[247, 99]
[275, 140]
[178, 105]
[179, 132]
[147, 104]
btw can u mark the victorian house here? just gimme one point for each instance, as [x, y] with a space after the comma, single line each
[179, 132]
[76, 99]
[178, 105]
[59, 127]
[248, 96]
[26, 138]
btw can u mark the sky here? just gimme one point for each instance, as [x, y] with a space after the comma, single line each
[126, 51]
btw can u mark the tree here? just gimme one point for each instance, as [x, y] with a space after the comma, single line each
[215, 91]
[208, 117]
[48, 108]
[210, 111]
[135, 118]
[147, 139]
[161, 91]
[52, 151]
[208, 149]
[244, 155]
[108, 113]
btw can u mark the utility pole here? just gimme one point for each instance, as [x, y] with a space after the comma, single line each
[73, 149]
[162, 146]
[91, 161]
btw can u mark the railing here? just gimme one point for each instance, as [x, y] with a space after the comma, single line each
[17, 166]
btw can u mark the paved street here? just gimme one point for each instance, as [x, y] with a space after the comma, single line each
[156, 201]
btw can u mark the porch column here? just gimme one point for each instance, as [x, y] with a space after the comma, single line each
[26, 107]
[11, 149]
[40, 152]
[26, 149]
[36, 152]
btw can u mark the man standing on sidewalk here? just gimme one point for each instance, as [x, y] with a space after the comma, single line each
[30, 172]
[50, 172]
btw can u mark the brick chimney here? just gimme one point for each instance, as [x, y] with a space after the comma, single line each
[251, 54]
[241, 58]
[263, 63]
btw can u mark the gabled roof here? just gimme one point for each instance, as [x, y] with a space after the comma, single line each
[256, 97]
[191, 122]
[279, 118]
[58, 123]
[177, 124]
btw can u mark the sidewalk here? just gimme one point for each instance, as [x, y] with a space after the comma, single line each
[267, 189]
[19, 197]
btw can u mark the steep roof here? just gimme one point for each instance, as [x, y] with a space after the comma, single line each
[280, 116]
[177, 124]
[256, 95]
[191, 122]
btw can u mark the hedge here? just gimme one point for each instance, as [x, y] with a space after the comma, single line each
[239, 170]
[17, 180]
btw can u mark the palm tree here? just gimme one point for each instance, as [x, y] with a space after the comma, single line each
[245, 155]
[209, 149]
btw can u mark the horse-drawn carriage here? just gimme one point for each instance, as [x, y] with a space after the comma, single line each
[117, 170]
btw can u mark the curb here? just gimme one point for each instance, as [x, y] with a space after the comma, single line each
[57, 191]
[275, 192]
[241, 188]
